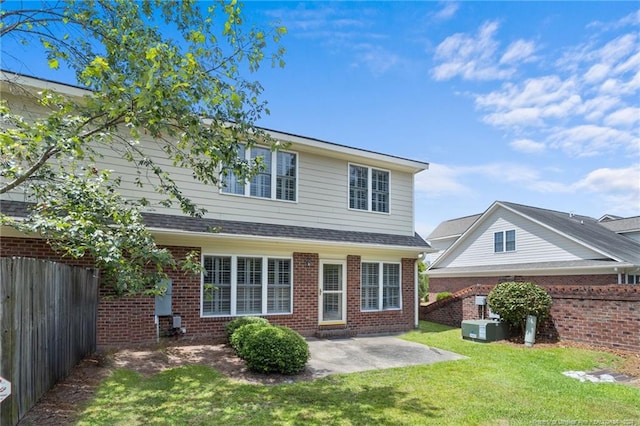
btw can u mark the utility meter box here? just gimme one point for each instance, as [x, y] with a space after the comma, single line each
[163, 303]
[484, 330]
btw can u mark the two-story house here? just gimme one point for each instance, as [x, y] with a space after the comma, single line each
[322, 240]
[512, 241]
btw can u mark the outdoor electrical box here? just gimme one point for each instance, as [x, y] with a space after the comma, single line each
[163, 303]
[484, 330]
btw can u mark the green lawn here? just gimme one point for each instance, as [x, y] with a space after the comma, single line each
[497, 384]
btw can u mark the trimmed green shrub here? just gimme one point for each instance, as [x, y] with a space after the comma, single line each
[242, 334]
[513, 301]
[442, 295]
[236, 323]
[275, 349]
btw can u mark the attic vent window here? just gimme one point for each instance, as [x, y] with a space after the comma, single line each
[504, 241]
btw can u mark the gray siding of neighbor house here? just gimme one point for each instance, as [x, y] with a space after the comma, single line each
[534, 243]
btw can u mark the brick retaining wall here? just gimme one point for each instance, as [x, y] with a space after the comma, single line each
[600, 315]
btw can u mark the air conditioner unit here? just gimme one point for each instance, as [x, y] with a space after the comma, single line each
[484, 330]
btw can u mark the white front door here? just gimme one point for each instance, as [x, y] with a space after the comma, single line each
[333, 297]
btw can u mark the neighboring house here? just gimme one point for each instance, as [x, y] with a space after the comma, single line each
[447, 233]
[516, 242]
[322, 241]
[629, 227]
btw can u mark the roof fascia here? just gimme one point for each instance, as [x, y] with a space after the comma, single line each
[42, 84]
[320, 145]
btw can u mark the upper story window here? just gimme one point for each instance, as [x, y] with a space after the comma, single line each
[276, 181]
[368, 189]
[504, 241]
[380, 286]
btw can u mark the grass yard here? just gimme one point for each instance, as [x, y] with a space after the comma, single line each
[497, 384]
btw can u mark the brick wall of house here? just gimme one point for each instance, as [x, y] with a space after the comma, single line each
[600, 315]
[130, 321]
[455, 284]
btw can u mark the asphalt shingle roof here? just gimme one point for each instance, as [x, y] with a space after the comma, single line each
[453, 227]
[229, 227]
[585, 229]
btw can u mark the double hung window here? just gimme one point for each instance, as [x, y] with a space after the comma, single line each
[380, 286]
[277, 179]
[368, 189]
[246, 285]
[504, 241]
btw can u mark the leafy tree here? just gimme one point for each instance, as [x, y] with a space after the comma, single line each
[423, 281]
[180, 92]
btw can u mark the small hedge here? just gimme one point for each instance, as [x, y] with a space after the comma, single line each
[272, 349]
[513, 301]
[236, 323]
[243, 334]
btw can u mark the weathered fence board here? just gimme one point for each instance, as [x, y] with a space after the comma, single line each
[48, 314]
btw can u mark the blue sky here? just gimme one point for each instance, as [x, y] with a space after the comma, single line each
[533, 103]
[529, 102]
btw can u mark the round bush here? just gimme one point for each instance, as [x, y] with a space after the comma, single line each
[242, 335]
[443, 295]
[236, 323]
[513, 301]
[275, 349]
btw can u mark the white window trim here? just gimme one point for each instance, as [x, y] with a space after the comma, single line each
[504, 241]
[381, 264]
[369, 188]
[234, 285]
[274, 178]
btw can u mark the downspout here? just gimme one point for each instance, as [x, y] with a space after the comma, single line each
[416, 297]
[415, 293]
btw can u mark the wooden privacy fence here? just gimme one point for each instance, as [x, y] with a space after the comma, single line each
[48, 314]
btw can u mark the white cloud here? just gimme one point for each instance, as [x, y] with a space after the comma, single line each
[439, 180]
[586, 105]
[596, 108]
[375, 58]
[597, 73]
[527, 146]
[590, 140]
[625, 117]
[516, 118]
[534, 92]
[448, 10]
[519, 51]
[623, 182]
[475, 56]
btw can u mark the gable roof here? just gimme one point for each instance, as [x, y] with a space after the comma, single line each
[453, 227]
[583, 230]
[622, 225]
[205, 226]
